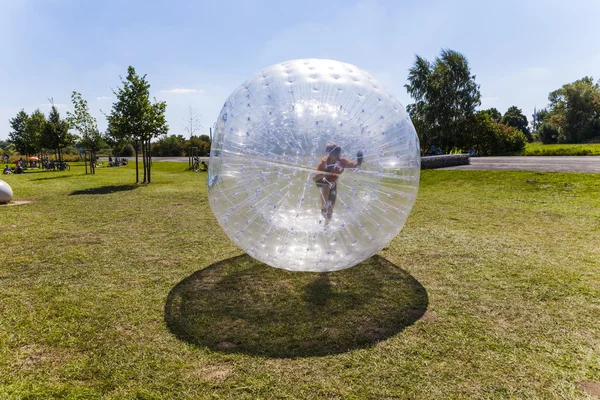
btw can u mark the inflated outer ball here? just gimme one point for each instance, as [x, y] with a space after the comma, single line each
[268, 143]
[6, 192]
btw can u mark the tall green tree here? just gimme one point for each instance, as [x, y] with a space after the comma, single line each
[134, 116]
[446, 97]
[86, 126]
[538, 118]
[168, 146]
[36, 123]
[574, 113]
[55, 134]
[514, 117]
[494, 114]
[18, 134]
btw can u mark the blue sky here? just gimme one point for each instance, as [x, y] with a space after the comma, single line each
[196, 52]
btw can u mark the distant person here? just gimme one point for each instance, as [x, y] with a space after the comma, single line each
[6, 158]
[204, 166]
[7, 170]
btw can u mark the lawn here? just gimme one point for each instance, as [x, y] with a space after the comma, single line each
[539, 149]
[114, 290]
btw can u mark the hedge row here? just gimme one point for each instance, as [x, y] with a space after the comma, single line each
[446, 160]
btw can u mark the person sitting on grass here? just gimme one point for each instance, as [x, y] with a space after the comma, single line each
[330, 168]
[7, 170]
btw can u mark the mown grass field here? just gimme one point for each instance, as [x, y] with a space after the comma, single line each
[539, 149]
[118, 291]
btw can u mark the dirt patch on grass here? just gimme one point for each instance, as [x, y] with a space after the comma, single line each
[429, 316]
[31, 357]
[590, 387]
[212, 373]
[16, 203]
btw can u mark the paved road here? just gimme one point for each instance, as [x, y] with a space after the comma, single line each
[543, 164]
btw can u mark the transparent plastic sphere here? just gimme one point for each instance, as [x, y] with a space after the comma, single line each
[6, 192]
[285, 178]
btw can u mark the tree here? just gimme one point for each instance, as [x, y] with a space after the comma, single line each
[514, 117]
[36, 123]
[18, 135]
[446, 97]
[494, 114]
[192, 122]
[491, 138]
[169, 146]
[82, 122]
[133, 115]
[55, 134]
[574, 115]
[538, 118]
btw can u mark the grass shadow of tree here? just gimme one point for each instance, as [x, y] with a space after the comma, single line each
[104, 190]
[52, 177]
[241, 305]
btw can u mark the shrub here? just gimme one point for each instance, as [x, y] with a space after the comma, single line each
[168, 146]
[490, 138]
[127, 150]
[548, 133]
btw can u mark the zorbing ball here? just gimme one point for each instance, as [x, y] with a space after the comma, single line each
[6, 193]
[285, 182]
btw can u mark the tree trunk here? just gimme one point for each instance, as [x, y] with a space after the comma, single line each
[144, 159]
[137, 173]
[149, 160]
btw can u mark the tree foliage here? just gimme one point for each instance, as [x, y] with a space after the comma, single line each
[490, 138]
[55, 133]
[133, 115]
[494, 114]
[169, 146]
[177, 145]
[514, 117]
[446, 97]
[574, 113]
[34, 129]
[84, 124]
[18, 134]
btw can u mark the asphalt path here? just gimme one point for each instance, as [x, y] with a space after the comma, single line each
[542, 164]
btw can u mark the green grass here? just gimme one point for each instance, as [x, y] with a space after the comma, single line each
[117, 291]
[539, 149]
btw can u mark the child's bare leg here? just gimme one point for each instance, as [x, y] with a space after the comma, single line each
[331, 200]
[324, 196]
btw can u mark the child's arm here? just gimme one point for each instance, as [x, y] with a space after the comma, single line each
[358, 163]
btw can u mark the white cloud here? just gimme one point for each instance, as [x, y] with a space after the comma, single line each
[182, 91]
[103, 98]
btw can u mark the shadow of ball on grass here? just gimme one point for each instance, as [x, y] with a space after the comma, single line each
[241, 305]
